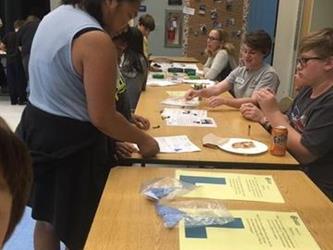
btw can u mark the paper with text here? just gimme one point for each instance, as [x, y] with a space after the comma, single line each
[232, 186]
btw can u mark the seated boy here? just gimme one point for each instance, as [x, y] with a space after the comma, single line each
[243, 81]
[309, 120]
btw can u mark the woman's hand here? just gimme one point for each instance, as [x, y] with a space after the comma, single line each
[125, 149]
[148, 147]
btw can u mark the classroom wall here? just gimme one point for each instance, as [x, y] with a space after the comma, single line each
[54, 3]
[286, 39]
[322, 14]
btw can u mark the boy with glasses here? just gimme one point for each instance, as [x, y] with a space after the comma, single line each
[309, 120]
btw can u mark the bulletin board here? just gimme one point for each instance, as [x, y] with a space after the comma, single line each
[226, 14]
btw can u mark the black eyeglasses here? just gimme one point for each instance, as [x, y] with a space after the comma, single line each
[211, 38]
[304, 60]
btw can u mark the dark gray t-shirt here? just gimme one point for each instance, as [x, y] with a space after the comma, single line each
[244, 82]
[313, 118]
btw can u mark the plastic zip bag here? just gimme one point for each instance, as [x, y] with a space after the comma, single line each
[195, 212]
[165, 187]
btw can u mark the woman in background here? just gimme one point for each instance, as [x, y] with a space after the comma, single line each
[221, 56]
[134, 66]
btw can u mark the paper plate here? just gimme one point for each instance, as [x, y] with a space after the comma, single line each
[255, 148]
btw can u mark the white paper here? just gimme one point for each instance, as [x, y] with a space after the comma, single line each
[191, 121]
[176, 144]
[177, 112]
[200, 81]
[188, 10]
[176, 93]
[181, 102]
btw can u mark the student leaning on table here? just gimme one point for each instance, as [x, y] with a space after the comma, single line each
[244, 80]
[221, 56]
[15, 181]
[146, 25]
[73, 75]
[120, 149]
[309, 120]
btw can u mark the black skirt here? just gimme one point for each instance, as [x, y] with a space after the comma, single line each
[71, 165]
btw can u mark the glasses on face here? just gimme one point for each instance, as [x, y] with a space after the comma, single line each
[302, 61]
[211, 38]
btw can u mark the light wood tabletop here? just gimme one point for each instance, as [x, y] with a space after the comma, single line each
[230, 123]
[183, 59]
[127, 220]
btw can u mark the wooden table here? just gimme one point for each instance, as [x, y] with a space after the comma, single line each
[230, 123]
[126, 220]
[183, 59]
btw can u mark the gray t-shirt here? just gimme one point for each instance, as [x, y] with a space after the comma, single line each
[244, 82]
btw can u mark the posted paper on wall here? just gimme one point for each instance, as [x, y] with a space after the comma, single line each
[250, 230]
[231, 186]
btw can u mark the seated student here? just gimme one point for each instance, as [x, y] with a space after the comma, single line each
[15, 181]
[146, 25]
[309, 120]
[244, 80]
[221, 56]
[119, 148]
[134, 66]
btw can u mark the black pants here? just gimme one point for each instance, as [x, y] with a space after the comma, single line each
[3, 79]
[16, 82]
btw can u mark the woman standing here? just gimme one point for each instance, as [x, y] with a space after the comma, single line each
[221, 55]
[73, 75]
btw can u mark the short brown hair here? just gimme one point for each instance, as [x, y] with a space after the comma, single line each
[147, 21]
[15, 166]
[259, 40]
[321, 42]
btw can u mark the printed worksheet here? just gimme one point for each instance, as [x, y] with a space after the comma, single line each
[231, 186]
[190, 121]
[181, 102]
[250, 230]
[176, 93]
[177, 112]
[176, 144]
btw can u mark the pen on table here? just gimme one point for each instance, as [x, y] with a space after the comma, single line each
[155, 127]
[249, 130]
[165, 117]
